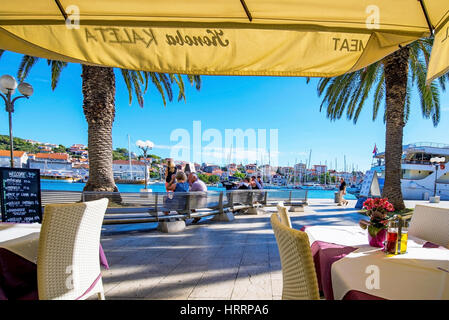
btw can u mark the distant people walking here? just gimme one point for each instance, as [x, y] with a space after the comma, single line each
[196, 184]
[259, 179]
[342, 192]
[170, 172]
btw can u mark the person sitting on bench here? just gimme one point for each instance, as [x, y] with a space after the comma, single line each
[178, 183]
[245, 184]
[196, 185]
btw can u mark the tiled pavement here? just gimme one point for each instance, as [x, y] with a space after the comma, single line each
[208, 260]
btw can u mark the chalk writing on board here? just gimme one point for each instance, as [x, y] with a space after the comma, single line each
[20, 195]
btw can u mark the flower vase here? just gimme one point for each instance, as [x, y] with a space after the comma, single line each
[376, 237]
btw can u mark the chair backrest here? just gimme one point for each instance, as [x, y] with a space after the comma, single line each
[68, 260]
[431, 224]
[283, 215]
[298, 270]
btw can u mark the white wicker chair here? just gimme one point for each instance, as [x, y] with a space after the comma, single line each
[283, 215]
[431, 224]
[68, 263]
[299, 280]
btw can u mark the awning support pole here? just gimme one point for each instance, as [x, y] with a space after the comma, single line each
[431, 28]
[248, 14]
[61, 9]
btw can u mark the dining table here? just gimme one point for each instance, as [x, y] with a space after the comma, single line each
[19, 244]
[348, 268]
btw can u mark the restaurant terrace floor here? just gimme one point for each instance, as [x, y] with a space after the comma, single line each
[209, 260]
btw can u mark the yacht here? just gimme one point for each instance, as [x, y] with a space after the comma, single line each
[58, 175]
[312, 186]
[418, 173]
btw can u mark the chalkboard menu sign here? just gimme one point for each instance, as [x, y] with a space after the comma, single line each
[20, 193]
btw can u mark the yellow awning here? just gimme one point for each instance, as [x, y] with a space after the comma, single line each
[224, 37]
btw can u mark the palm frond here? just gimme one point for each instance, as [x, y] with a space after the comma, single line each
[348, 92]
[155, 79]
[165, 80]
[195, 80]
[137, 82]
[351, 91]
[127, 78]
[180, 83]
[379, 93]
[56, 69]
[25, 66]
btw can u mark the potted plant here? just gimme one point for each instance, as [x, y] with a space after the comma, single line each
[377, 210]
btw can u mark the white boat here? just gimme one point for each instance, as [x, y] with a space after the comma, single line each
[418, 173]
[312, 186]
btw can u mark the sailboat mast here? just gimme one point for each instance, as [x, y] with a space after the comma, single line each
[325, 172]
[309, 166]
[294, 170]
[129, 156]
[345, 163]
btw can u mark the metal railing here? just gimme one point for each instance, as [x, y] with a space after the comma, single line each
[428, 144]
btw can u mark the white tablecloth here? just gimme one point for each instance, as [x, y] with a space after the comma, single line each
[421, 273]
[21, 238]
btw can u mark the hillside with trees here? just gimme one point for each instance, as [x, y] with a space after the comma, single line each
[22, 145]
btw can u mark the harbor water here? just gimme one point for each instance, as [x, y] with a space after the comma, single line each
[159, 187]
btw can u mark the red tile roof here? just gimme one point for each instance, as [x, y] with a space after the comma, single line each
[126, 162]
[55, 156]
[6, 153]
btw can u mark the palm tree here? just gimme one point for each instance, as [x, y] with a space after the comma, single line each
[98, 86]
[393, 79]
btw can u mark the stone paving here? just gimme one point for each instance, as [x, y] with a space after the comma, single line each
[210, 260]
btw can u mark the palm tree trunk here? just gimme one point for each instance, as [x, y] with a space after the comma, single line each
[99, 110]
[396, 74]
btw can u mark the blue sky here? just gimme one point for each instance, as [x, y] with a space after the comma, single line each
[289, 105]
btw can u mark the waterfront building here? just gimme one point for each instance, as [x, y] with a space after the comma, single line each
[211, 169]
[320, 169]
[20, 159]
[79, 149]
[197, 166]
[122, 169]
[286, 170]
[45, 149]
[32, 141]
[51, 161]
[251, 168]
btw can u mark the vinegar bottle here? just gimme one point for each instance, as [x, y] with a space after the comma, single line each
[392, 238]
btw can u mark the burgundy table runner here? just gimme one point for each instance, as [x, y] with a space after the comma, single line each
[18, 276]
[324, 255]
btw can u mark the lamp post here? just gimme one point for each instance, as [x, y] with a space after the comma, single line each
[145, 146]
[436, 162]
[8, 87]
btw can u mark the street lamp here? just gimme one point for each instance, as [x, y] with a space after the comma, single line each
[436, 162]
[8, 87]
[145, 146]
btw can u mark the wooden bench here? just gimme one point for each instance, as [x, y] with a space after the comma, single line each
[153, 206]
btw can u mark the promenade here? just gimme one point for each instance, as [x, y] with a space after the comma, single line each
[209, 260]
